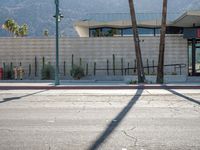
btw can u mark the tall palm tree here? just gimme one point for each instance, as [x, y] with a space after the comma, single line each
[46, 32]
[9, 25]
[23, 30]
[140, 68]
[160, 71]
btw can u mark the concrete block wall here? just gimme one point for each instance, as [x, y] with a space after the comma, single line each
[90, 50]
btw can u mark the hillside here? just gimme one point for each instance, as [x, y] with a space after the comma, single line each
[38, 14]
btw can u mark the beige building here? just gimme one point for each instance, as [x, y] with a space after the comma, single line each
[106, 50]
[185, 25]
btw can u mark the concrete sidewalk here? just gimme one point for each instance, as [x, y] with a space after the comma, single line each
[10, 85]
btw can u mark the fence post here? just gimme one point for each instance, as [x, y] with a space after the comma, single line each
[64, 68]
[180, 69]
[72, 65]
[29, 73]
[153, 66]
[80, 62]
[72, 60]
[87, 69]
[43, 62]
[114, 64]
[95, 68]
[148, 66]
[128, 67]
[107, 67]
[11, 70]
[35, 66]
[122, 66]
[135, 69]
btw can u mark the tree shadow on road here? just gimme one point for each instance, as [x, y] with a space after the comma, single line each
[185, 97]
[17, 98]
[116, 121]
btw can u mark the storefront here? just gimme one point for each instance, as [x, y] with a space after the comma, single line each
[193, 36]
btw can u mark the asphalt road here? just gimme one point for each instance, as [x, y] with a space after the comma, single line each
[99, 119]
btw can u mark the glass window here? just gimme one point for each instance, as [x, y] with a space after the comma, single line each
[95, 32]
[147, 31]
[127, 31]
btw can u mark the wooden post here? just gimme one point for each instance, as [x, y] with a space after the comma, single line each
[160, 71]
[153, 66]
[72, 60]
[80, 63]
[148, 66]
[87, 69]
[94, 68]
[107, 67]
[64, 68]
[114, 64]
[43, 62]
[122, 66]
[128, 67]
[29, 70]
[140, 69]
[35, 66]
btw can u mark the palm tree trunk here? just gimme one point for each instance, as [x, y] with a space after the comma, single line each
[160, 71]
[140, 69]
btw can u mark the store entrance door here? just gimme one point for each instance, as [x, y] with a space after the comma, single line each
[194, 57]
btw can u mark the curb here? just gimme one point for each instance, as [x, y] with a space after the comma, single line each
[95, 87]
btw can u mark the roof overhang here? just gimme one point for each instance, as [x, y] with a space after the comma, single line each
[118, 24]
[188, 19]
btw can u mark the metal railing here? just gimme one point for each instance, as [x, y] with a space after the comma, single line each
[126, 71]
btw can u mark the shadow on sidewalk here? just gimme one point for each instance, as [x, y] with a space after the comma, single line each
[17, 98]
[116, 121]
[183, 96]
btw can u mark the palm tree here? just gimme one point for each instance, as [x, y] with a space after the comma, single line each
[46, 32]
[9, 25]
[23, 30]
[160, 71]
[140, 68]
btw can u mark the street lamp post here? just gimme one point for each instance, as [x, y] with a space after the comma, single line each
[58, 17]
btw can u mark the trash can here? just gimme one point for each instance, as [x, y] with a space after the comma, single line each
[1, 73]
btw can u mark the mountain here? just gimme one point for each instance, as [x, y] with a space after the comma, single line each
[38, 14]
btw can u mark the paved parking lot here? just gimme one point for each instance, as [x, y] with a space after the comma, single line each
[99, 119]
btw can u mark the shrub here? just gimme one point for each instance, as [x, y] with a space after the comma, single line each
[133, 82]
[48, 72]
[8, 73]
[174, 73]
[77, 72]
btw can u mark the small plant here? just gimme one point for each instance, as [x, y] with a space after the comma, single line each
[152, 74]
[8, 73]
[48, 72]
[133, 82]
[77, 72]
[174, 73]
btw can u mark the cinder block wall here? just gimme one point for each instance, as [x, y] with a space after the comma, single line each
[90, 50]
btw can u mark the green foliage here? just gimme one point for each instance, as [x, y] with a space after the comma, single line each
[48, 72]
[46, 32]
[174, 73]
[12, 27]
[77, 72]
[7, 73]
[133, 82]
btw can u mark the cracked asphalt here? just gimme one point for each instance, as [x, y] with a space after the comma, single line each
[99, 119]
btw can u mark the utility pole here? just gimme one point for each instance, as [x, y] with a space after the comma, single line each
[140, 69]
[160, 71]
